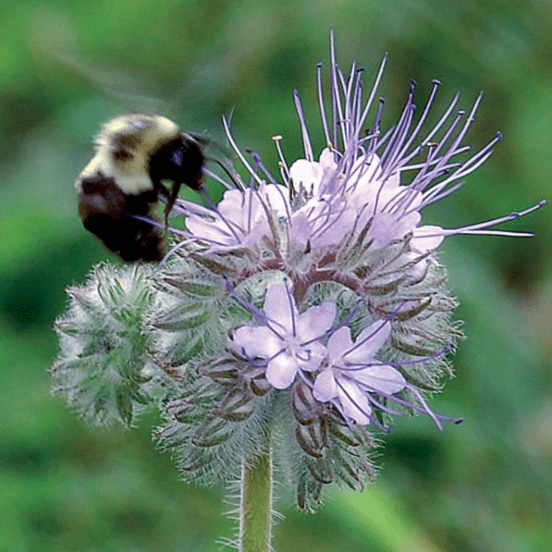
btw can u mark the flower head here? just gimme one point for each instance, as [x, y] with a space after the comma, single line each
[357, 184]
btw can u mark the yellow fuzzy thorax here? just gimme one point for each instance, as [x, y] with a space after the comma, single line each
[123, 150]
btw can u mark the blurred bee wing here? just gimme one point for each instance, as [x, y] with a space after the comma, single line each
[132, 92]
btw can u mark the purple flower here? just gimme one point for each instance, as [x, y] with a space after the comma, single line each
[288, 341]
[320, 223]
[239, 221]
[353, 374]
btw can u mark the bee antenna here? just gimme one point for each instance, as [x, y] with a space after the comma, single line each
[203, 140]
[226, 167]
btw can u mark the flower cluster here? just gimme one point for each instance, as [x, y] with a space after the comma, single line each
[304, 310]
[346, 374]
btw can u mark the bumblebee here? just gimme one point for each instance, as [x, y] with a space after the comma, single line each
[138, 160]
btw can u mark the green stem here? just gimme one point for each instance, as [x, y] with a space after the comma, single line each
[256, 505]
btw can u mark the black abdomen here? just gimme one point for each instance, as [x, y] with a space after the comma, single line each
[107, 212]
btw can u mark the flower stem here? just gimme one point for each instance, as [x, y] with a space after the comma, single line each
[256, 504]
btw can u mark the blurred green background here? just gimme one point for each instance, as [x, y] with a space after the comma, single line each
[483, 486]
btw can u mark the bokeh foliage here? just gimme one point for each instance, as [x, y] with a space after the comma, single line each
[484, 486]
